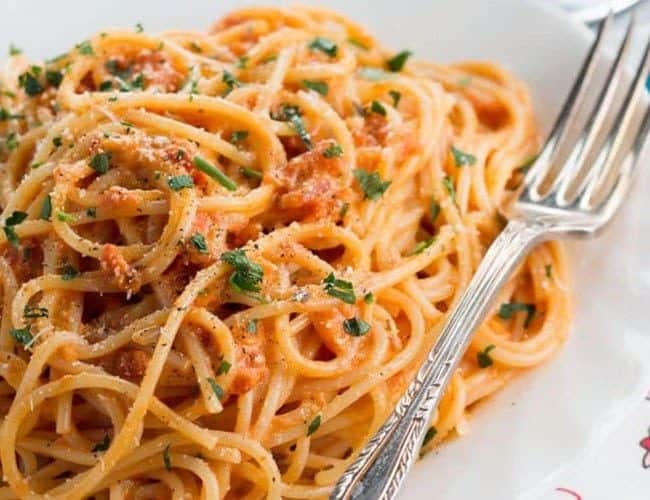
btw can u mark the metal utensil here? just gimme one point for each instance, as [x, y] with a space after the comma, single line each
[591, 12]
[574, 188]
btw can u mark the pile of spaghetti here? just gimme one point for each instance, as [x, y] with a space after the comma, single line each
[224, 254]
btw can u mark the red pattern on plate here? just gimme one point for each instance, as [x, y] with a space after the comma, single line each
[645, 444]
[570, 492]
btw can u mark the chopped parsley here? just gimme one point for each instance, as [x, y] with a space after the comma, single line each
[167, 460]
[371, 184]
[333, 151]
[10, 232]
[11, 235]
[238, 135]
[53, 77]
[100, 163]
[291, 114]
[431, 433]
[369, 298]
[28, 81]
[356, 327]
[247, 275]
[377, 107]
[139, 28]
[396, 63]
[57, 142]
[506, 311]
[85, 48]
[5, 115]
[35, 312]
[423, 245]
[230, 81]
[313, 426]
[46, 208]
[14, 51]
[321, 87]
[242, 62]
[548, 270]
[483, 357]
[69, 272]
[64, 217]
[461, 158]
[325, 45]
[103, 445]
[434, 210]
[207, 168]
[344, 209]
[22, 335]
[16, 218]
[180, 182]
[198, 240]
[224, 367]
[91, 212]
[251, 173]
[448, 183]
[12, 141]
[340, 289]
[251, 327]
[396, 96]
[105, 86]
[138, 82]
[216, 388]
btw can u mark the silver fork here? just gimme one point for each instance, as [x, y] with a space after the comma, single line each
[573, 189]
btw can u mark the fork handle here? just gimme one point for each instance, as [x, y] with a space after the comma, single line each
[379, 470]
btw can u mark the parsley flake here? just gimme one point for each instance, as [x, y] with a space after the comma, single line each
[238, 135]
[247, 275]
[230, 81]
[431, 433]
[356, 327]
[396, 96]
[198, 240]
[103, 445]
[378, 107]
[85, 48]
[35, 312]
[397, 62]
[69, 272]
[448, 183]
[216, 388]
[292, 115]
[321, 87]
[167, 460]
[506, 311]
[207, 168]
[28, 81]
[100, 163]
[313, 425]
[22, 335]
[251, 173]
[325, 45]
[46, 208]
[180, 182]
[340, 289]
[461, 158]
[371, 184]
[224, 367]
[333, 151]
[483, 357]
[423, 245]
[251, 327]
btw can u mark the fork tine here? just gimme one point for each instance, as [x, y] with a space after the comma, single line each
[616, 143]
[543, 166]
[577, 168]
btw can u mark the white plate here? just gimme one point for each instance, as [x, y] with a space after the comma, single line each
[573, 425]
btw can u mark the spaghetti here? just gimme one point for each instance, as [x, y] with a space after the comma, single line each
[225, 253]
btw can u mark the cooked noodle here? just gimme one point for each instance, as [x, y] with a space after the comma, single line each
[225, 253]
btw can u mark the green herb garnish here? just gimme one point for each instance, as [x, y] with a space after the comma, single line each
[333, 151]
[238, 135]
[180, 182]
[198, 240]
[506, 311]
[371, 184]
[431, 433]
[321, 87]
[22, 335]
[167, 460]
[397, 62]
[216, 388]
[35, 312]
[340, 289]
[247, 275]
[461, 158]
[377, 107]
[207, 168]
[355, 327]
[46, 208]
[224, 367]
[325, 45]
[396, 96]
[251, 173]
[483, 357]
[313, 426]
[103, 445]
[68, 272]
[100, 163]
[230, 81]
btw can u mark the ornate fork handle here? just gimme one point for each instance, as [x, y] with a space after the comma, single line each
[380, 469]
